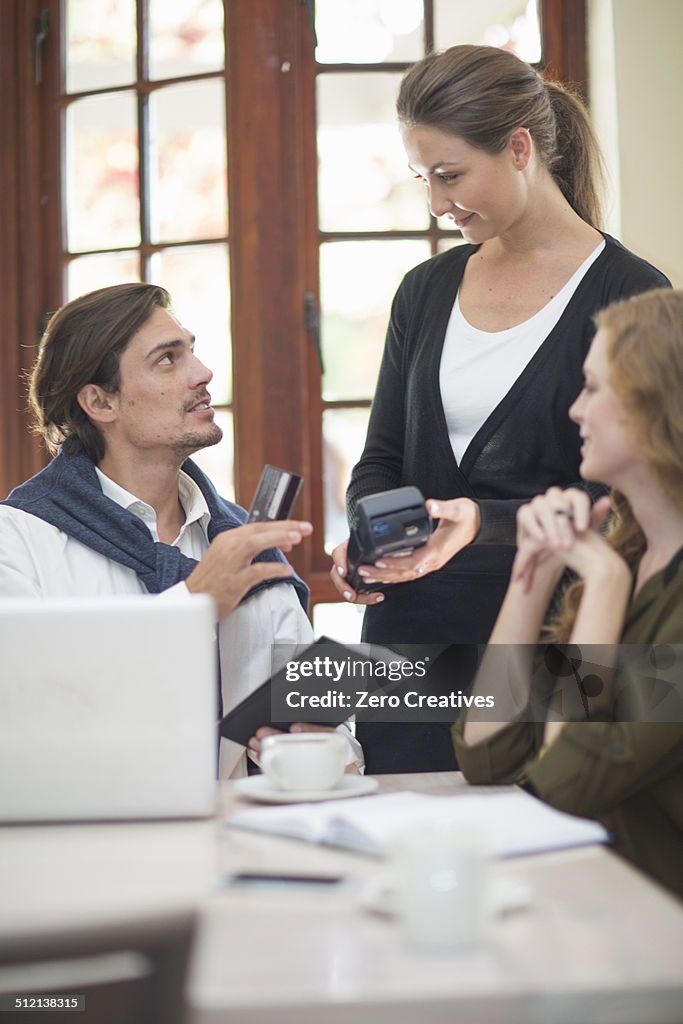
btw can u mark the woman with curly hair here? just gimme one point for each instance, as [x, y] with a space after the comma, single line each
[626, 767]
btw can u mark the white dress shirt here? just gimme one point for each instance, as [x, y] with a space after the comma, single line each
[38, 560]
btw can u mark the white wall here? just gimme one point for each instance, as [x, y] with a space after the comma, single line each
[636, 74]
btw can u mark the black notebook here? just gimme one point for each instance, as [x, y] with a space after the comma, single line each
[241, 723]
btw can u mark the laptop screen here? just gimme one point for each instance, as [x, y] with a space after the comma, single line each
[107, 708]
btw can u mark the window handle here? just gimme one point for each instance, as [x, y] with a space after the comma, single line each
[310, 7]
[312, 325]
[40, 33]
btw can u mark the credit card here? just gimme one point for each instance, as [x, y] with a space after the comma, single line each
[275, 496]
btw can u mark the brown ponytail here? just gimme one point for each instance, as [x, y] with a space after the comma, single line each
[482, 94]
[577, 165]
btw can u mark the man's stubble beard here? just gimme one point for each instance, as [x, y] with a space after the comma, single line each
[192, 443]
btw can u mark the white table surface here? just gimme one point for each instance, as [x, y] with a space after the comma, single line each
[598, 944]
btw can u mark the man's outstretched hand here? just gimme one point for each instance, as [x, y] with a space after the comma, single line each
[226, 572]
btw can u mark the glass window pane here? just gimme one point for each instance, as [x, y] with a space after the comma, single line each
[364, 183]
[510, 24]
[87, 273]
[100, 41]
[368, 31]
[357, 284]
[344, 433]
[341, 622]
[218, 461]
[102, 202]
[188, 162]
[186, 37]
[198, 279]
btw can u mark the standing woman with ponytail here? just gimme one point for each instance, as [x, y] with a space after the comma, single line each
[484, 351]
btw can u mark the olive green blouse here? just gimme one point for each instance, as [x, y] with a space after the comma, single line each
[628, 775]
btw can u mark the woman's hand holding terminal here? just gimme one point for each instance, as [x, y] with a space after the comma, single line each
[459, 522]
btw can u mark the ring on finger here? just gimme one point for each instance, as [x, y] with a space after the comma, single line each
[564, 512]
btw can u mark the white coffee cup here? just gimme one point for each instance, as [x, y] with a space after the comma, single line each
[442, 876]
[304, 761]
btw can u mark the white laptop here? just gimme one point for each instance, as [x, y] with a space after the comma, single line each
[108, 708]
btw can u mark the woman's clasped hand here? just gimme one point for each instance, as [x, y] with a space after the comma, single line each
[561, 530]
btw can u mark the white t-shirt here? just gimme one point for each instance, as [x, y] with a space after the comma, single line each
[38, 560]
[478, 368]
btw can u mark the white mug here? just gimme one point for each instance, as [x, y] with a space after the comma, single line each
[442, 875]
[305, 760]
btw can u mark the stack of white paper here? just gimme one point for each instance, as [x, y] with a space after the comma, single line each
[513, 823]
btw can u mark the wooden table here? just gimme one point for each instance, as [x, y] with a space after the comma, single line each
[598, 944]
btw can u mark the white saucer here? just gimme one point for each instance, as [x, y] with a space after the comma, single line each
[261, 789]
[506, 895]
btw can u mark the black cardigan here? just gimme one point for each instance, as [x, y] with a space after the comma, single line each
[527, 444]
